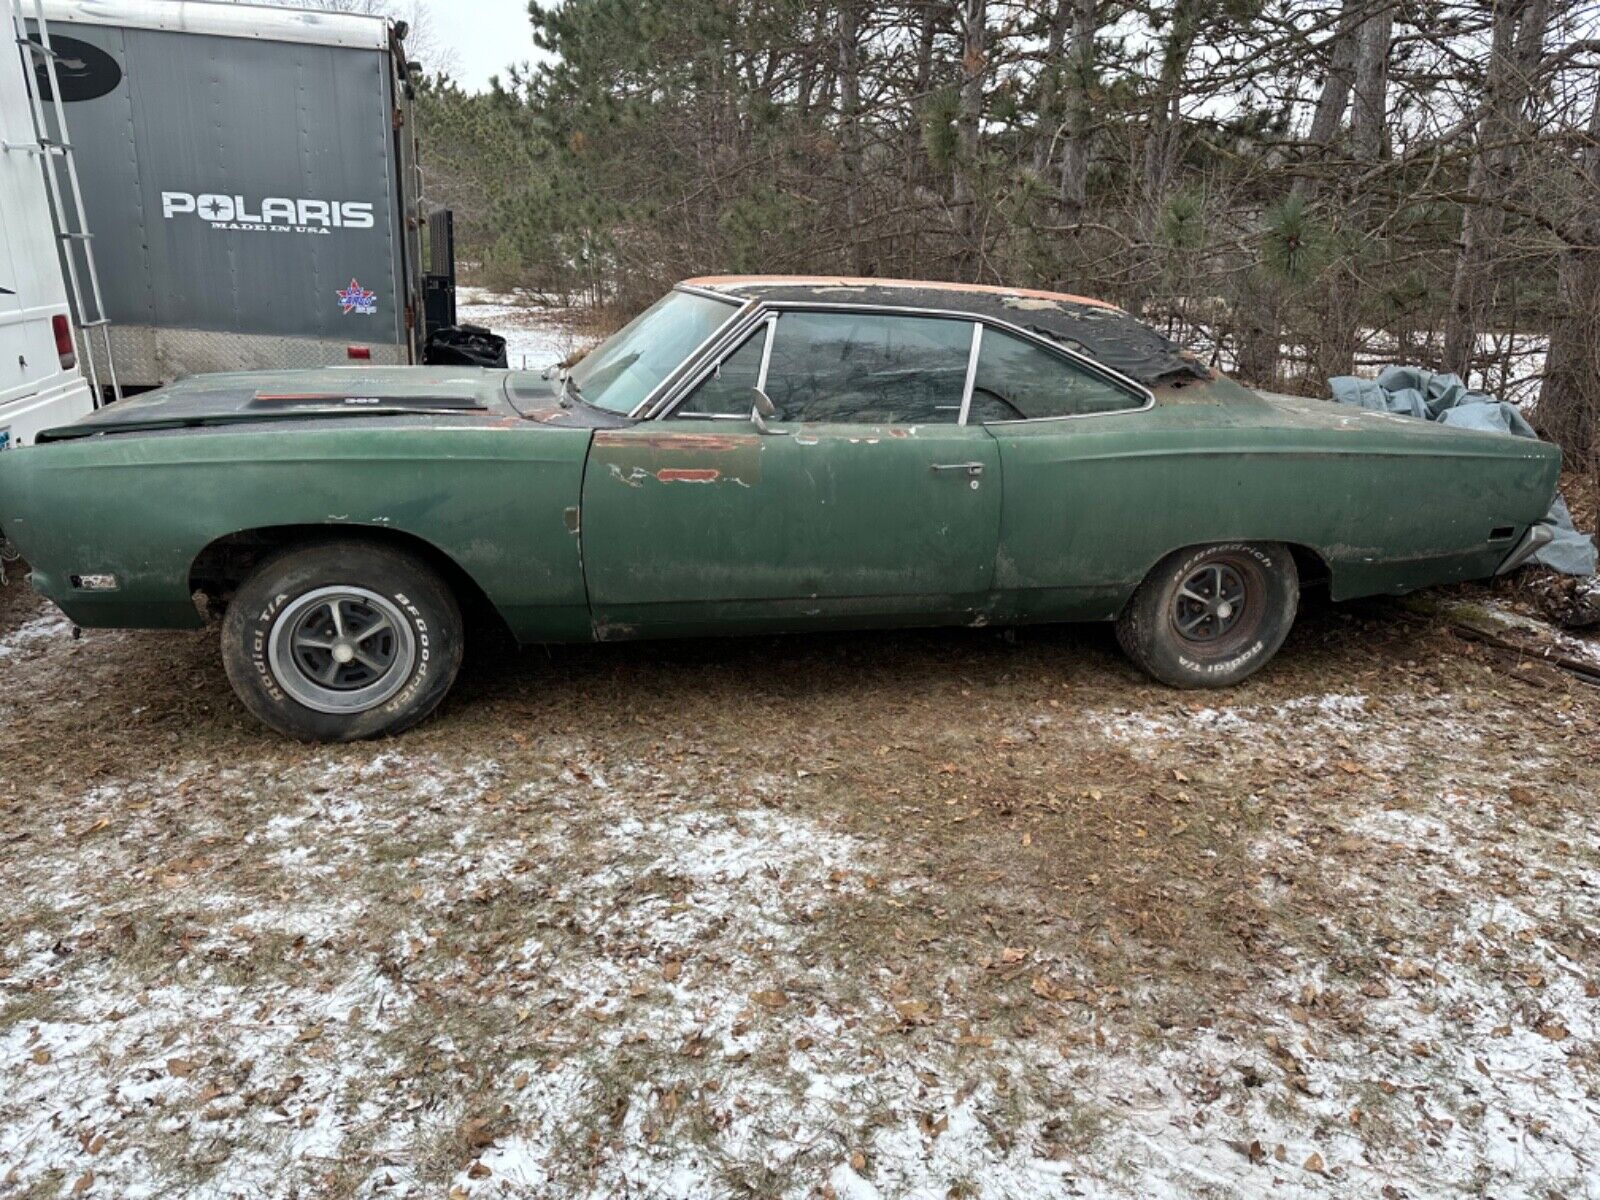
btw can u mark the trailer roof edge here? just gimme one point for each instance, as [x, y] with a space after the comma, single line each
[258, 22]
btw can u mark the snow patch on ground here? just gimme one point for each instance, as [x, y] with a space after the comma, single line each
[1583, 649]
[52, 626]
[535, 334]
[663, 950]
[1330, 728]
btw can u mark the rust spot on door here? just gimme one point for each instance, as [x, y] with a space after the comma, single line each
[621, 439]
[634, 458]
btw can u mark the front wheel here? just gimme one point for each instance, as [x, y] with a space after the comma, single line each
[1211, 616]
[339, 641]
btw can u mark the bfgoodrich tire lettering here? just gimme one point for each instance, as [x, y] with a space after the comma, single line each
[1210, 616]
[338, 641]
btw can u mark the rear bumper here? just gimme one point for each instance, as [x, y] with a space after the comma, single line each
[1537, 537]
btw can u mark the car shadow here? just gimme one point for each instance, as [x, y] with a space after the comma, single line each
[903, 661]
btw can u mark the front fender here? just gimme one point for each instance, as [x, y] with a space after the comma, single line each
[141, 508]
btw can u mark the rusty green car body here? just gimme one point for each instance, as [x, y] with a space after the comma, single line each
[578, 522]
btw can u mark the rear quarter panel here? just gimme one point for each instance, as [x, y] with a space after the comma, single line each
[1390, 503]
[142, 507]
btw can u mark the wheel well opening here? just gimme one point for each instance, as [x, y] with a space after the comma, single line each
[219, 569]
[1312, 568]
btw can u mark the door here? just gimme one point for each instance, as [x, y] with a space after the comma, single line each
[22, 359]
[866, 501]
[1087, 488]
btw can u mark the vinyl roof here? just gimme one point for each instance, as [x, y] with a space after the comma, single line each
[746, 283]
[1094, 328]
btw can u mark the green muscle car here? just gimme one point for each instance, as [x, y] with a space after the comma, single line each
[751, 454]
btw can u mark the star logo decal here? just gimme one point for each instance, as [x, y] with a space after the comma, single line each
[357, 299]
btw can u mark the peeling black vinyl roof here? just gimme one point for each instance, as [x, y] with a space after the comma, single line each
[1100, 331]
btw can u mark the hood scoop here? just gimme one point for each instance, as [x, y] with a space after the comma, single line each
[324, 402]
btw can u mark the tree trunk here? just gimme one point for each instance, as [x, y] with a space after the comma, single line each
[1569, 399]
[974, 63]
[1050, 89]
[1369, 116]
[850, 130]
[1076, 115]
[1369, 135]
[1335, 96]
[927, 27]
[1163, 142]
[1259, 325]
[1517, 46]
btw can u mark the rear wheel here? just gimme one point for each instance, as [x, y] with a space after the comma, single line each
[342, 640]
[1212, 615]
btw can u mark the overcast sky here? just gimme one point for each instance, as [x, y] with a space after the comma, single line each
[480, 37]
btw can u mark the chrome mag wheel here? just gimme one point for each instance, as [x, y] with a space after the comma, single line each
[341, 649]
[1219, 603]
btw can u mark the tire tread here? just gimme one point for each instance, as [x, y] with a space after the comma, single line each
[358, 557]
[1138, 625]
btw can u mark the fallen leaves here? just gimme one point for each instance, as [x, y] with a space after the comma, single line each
[476, 1133]
[966, 982]
[912, 1011]
[1251, 1150]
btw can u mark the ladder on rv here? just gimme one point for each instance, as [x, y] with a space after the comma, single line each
[72, 226]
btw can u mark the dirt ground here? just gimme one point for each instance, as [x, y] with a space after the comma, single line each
[945, 914]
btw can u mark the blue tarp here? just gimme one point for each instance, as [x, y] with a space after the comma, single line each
[1444, 398]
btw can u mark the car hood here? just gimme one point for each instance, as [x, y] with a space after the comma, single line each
[325, 393]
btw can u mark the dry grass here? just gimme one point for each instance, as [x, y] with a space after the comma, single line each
[937, 913]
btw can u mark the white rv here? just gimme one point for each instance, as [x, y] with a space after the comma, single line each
[40, 384]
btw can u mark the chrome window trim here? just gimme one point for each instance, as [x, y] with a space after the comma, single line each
[766, 353]
[735, 334]
[972, 373]
[667, 383]
[761, 310]
[695, 289]
[1089, 364]
[731, 337]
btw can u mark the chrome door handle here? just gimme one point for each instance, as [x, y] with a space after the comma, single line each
[973, 469]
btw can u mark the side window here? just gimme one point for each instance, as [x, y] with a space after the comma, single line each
[866, 368]
[1018, 380]
[730, 390]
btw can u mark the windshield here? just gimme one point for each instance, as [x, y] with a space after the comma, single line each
[625, 368]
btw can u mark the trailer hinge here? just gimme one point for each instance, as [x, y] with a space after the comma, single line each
[399, 118]
[411, 318]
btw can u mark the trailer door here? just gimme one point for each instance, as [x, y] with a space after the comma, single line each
[27, 348]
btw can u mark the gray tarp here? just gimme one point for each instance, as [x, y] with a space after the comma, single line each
[1445, 399]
